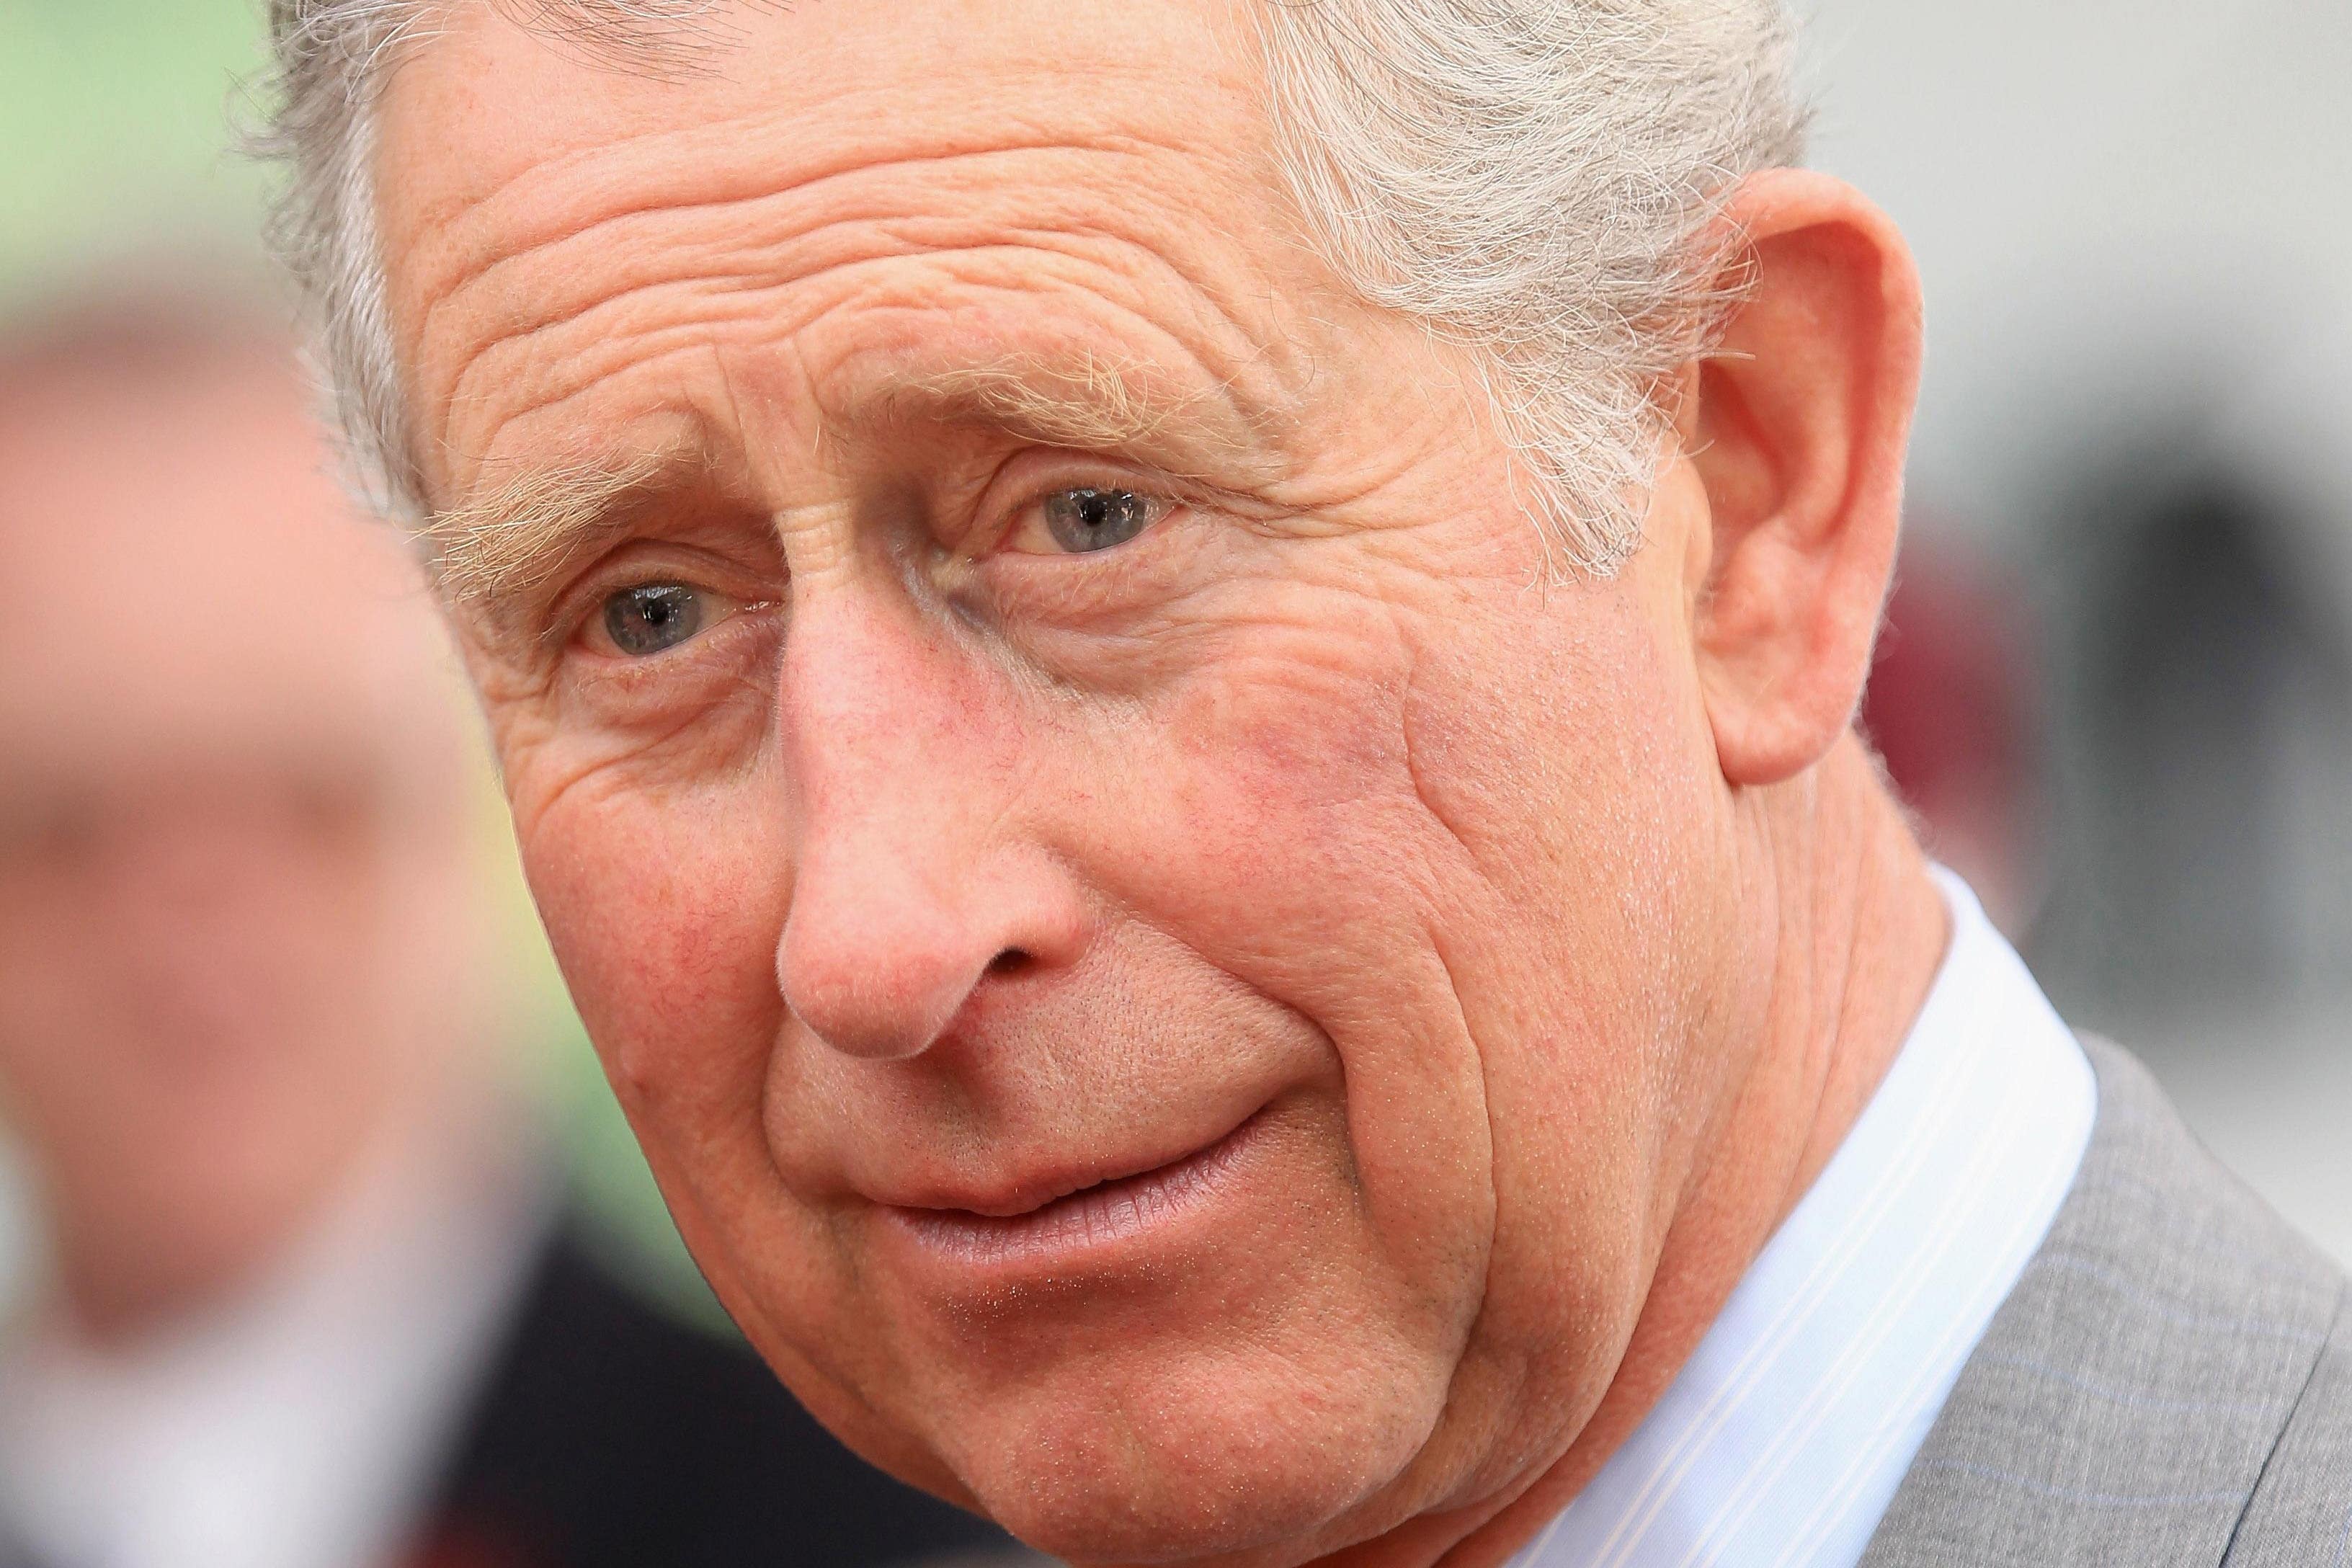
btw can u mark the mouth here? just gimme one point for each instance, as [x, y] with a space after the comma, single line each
[1090, 1218]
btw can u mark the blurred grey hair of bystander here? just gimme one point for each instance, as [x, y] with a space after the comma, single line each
[1537, 180]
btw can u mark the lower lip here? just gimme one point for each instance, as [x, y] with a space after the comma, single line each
[1098, 1220]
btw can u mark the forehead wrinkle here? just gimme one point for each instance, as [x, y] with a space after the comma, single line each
[710, 261]
[608, 355]
[721, 294]
[841, 132]
[1066, 393]
[576, 192]
[473, 259]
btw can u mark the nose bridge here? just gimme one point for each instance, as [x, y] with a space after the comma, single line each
[909, 880]
[883, 721]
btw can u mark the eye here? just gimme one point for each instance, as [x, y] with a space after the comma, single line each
[1091, 518]
[655, 617]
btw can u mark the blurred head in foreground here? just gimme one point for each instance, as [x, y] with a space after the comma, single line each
[236, 898]
[313, 1300]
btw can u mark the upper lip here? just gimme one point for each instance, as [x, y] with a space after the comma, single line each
[1035, 1189]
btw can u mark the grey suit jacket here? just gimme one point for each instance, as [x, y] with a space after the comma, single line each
[2170, 1383]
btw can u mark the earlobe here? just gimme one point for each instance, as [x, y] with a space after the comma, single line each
[1796, 435]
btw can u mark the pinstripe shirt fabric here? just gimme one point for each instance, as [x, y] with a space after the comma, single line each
[2169, 1387]
[1781, 1442]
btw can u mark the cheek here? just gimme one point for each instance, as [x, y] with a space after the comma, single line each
[1580, 795]
[1274, 829]
[1458, 848]
[664, 908]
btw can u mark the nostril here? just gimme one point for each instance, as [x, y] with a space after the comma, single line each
[1012, 961]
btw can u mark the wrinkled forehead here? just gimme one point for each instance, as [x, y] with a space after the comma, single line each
[787, 95]
[525, 181]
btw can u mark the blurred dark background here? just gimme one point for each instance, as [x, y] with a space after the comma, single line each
[2117, 683]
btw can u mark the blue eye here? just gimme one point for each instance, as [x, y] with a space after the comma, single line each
[1084, 519]
[653, 618]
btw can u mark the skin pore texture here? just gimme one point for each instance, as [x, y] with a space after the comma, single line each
[1267, 1041]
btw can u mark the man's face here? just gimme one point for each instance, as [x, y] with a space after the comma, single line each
[1154, 958]
[221, 865]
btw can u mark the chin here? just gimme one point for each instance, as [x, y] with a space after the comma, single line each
[1255, 1453]
[1229, 1373]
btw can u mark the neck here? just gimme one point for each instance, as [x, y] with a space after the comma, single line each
[1843, 933]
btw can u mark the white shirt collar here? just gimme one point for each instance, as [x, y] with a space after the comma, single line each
[1781, 1443]
[296, 1427]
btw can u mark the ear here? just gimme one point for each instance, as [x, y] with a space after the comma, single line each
[1796, 432]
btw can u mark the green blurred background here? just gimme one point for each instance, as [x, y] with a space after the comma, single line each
[116, 117]
[118, 124]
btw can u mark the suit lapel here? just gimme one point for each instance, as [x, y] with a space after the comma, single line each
[2126, 1398]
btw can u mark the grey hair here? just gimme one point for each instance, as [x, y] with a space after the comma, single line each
[1539, 180]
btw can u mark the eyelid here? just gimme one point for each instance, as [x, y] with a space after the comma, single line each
[1162, 497]
[632, 565]
[1026, 476]
[588, 628]
[1156, 510]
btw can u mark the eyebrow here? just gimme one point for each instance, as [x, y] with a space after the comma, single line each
[1089, 404]
[508, 539]
[513, 538]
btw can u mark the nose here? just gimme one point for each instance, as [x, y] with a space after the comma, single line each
[913, 886]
